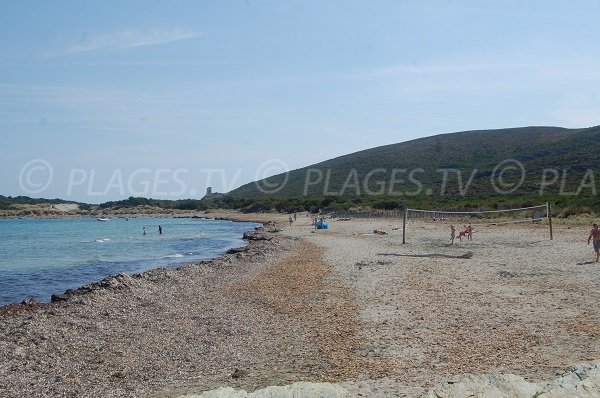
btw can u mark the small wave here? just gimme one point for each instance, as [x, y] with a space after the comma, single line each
[176, 255]
[194, 237]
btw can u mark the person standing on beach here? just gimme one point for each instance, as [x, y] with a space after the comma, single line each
[470, 232]
[462, 233]
[452, 234]
[159, 230]
[595, 236]
[291, 220]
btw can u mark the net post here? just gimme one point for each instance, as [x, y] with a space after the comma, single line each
[549, 213]
[404, 224]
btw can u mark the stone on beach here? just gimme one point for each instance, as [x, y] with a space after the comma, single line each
[296, 390]
[583, 381]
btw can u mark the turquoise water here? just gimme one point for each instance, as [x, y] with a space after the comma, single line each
[41, 257]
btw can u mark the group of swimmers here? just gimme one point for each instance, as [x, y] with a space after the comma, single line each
[160, 231]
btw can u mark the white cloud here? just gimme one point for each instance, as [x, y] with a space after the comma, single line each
[127, 39]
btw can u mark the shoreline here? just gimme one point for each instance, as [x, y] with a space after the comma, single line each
[213, 215]
[341, 305]
[109, 281]
[95, 340]
[48, 211]
[117, 280]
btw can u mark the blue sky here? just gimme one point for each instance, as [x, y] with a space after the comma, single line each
[163, 98]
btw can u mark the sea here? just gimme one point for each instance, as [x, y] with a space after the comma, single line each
[41, 257]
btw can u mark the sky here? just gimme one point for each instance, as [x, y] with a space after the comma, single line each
[109, 99]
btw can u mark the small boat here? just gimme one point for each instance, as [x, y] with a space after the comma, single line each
[103, 219]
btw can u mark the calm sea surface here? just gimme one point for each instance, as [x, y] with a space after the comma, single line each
[40, 257]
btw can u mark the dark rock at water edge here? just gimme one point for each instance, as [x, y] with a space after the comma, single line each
[255, 236]
[235, 250]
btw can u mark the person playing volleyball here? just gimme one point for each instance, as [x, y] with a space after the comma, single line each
[464, 233]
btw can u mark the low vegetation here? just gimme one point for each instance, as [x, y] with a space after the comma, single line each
[450, 171]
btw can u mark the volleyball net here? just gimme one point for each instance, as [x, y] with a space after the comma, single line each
[531, 214]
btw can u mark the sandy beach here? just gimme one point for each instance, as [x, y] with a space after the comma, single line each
[342, 305]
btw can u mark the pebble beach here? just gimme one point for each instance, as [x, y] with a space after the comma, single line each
[344, 306]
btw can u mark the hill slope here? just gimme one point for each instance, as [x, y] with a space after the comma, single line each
[470, 164]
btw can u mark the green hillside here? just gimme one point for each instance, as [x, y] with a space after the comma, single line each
[463, 169]
[7, 202]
